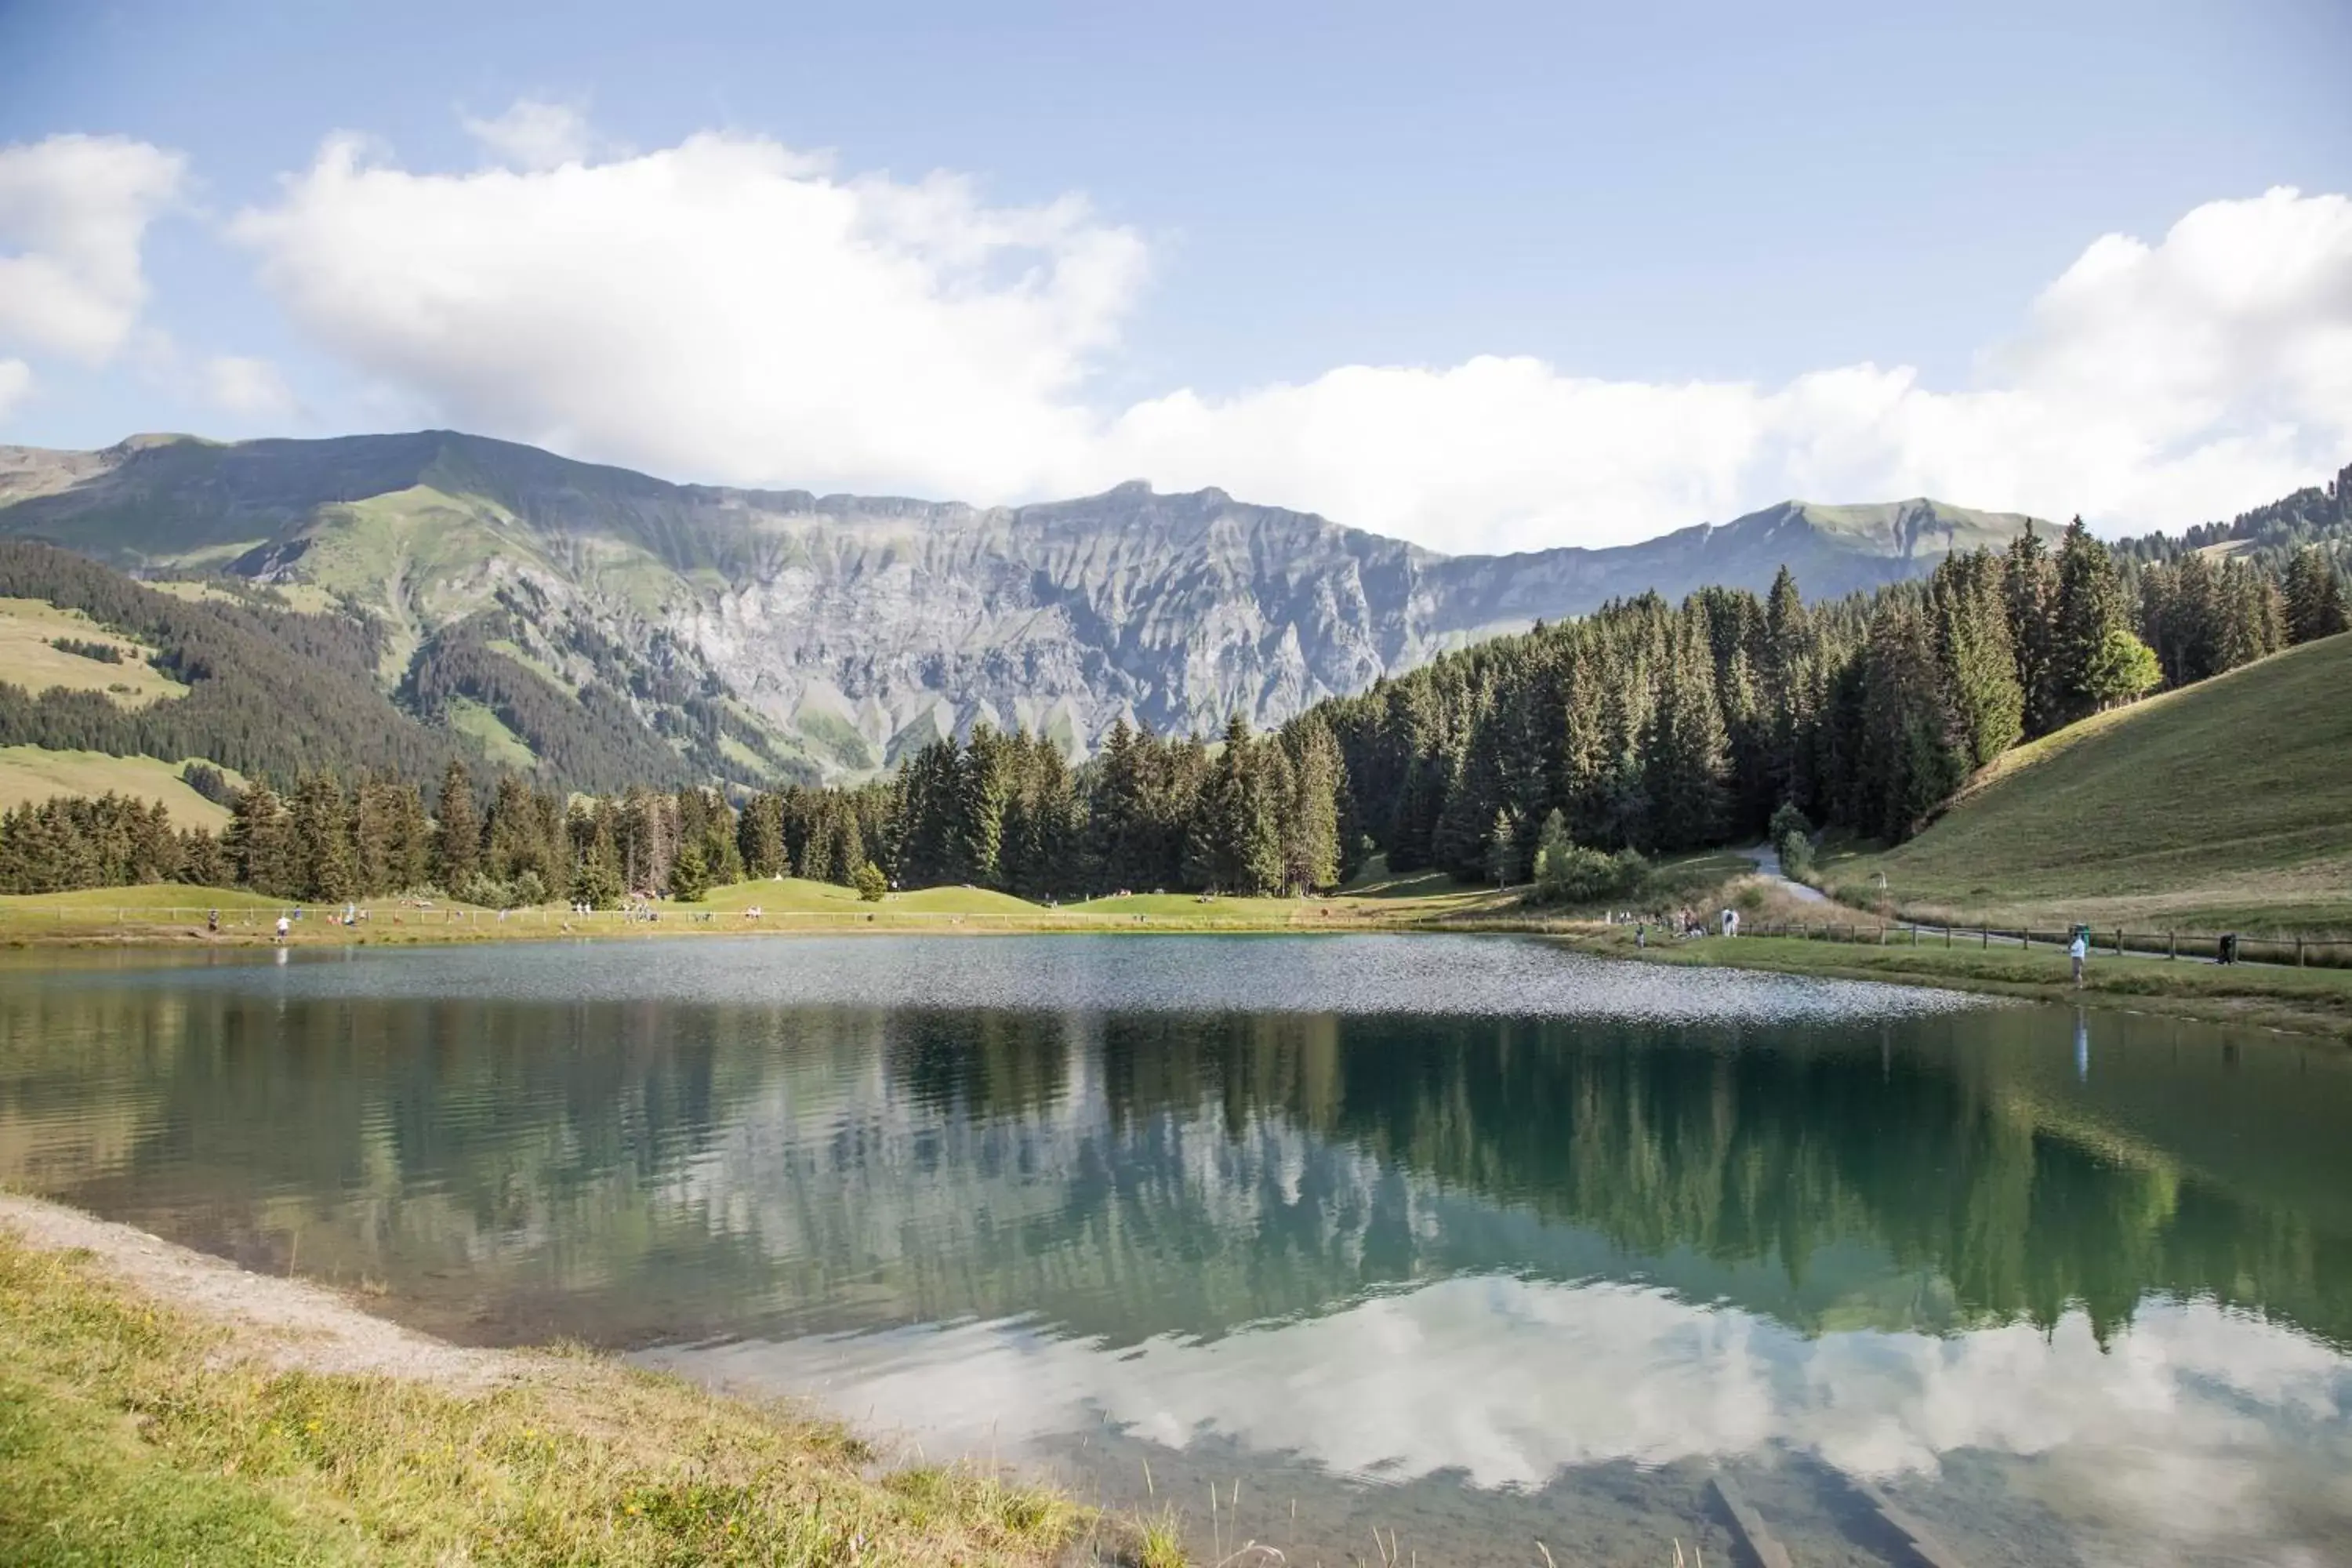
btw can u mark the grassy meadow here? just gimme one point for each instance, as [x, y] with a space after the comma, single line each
[29, 659]
[134, 1433]
[33, 773]
[2226, 805]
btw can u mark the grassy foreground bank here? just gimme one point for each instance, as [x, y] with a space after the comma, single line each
[2306, 1000]
[133, 1431]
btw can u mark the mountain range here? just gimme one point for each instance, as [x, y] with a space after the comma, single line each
[547, 605]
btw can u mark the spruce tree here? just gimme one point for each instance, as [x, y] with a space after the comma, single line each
[457, 832]
[2315, 596]
[1312, 832]
[984, 783]
[2089, 605]
[2030, 591]
[258, 844]
[689, 876]
[1685, 762]
[1973, 645]
[321, 828]
[1503, 850]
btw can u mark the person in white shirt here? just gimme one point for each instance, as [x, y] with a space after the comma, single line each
[284, 925]
[2079, 949]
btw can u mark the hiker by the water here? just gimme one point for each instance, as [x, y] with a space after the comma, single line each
[284, 926]
[2078, 950]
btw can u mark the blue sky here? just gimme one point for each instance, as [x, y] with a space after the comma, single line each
[1680, 235]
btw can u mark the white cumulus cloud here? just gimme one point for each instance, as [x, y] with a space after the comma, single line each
[534, 135]
[241, 384]
[729, 308]
[16, 385]
[73, 212]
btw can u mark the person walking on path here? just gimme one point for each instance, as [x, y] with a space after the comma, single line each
[2079, 949]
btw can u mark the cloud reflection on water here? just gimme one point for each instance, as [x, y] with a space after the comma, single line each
[2192, 1420]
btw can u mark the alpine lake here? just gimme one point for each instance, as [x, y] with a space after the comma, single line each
[1456, 1243]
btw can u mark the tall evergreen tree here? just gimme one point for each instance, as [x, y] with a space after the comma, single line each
[2090, 605]
[260, 843]
[322, 840]
[2315, 596]
[2030, 589]
[1978, 660]
[456, 832]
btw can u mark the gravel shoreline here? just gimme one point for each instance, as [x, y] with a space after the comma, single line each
[292, 1324]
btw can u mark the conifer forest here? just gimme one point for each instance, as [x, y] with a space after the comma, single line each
[1645, 729]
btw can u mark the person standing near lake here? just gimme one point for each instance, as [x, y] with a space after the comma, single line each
[2078, 950]
[284, 925]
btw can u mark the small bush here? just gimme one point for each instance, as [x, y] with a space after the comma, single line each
[1568, 873]
[1793, 840]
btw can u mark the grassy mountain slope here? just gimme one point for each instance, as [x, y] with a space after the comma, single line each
[30, 774]
[2224, 805]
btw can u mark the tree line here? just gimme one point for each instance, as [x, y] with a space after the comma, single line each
[1571, 750]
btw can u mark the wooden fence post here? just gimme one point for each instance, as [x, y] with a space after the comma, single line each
[2298, 953]
[2119, 942]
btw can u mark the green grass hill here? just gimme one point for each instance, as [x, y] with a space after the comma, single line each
[2225, 805]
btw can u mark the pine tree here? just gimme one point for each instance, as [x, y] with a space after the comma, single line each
[1503, 850]
[2315, 596]
[1915, 750]
[1973, 645]
[983, 782]
[2030, 590]
[1685, 760]
[259, 845]
[457, 832]
[202, 864]
[321, 828]
[689, 876]
[1313, 843]
[761, 838]
[2089, 606]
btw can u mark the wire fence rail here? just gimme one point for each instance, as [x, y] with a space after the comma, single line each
[2301, 952]
[2211, 947]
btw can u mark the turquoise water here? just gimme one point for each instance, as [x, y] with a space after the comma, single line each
[1465, 1238]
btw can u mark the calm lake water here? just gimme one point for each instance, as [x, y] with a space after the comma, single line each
[1465, 1238]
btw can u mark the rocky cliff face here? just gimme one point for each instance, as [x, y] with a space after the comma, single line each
[851, 627]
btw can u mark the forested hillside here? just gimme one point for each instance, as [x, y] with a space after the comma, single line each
[834, 634]
[270, 691]
[1646, 728]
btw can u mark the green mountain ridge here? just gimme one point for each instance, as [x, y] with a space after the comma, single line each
[771, 634]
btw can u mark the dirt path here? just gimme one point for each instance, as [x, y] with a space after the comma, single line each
[1767, 866]
[289, 1323]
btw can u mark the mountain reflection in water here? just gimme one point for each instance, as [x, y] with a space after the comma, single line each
[1466, 1233]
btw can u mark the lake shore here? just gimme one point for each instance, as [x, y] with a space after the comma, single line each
[2312, 1001]
[2297, 1001]
[161, 1405]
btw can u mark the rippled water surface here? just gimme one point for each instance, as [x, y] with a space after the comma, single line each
[1465, 1238]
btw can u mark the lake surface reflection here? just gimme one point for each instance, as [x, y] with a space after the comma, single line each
[1462, 1237]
